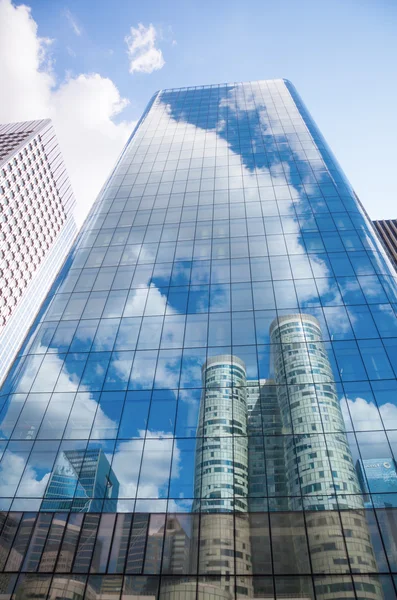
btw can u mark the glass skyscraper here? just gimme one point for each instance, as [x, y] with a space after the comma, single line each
[206, 405]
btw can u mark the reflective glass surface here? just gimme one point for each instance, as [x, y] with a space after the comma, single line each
[206, 405]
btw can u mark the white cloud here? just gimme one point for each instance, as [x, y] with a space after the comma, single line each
[71, 52]
[72, 21]
[141, 49]
[82, 107]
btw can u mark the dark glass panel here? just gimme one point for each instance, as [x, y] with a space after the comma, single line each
[31, 587]
[53, 543]
[102, 544]
[137, 544]
[21, 542]
[69, 543]
[289, 543]
[120, 543]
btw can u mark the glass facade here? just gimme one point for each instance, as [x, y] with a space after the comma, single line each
[37, 227]
[206, 405]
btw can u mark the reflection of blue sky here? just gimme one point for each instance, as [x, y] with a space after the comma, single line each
[271, 164]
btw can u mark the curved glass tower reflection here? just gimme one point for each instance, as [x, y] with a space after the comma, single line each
[206, 403]
[318, 465]
[221, 469]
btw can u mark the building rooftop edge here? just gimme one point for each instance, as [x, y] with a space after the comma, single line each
[223, 84]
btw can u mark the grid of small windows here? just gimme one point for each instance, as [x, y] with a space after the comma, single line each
[10, 141]
[31, 217]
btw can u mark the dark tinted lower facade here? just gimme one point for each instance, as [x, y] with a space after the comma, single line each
[206, 405]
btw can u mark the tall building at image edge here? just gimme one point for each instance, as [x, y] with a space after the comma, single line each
[387, 229]
[205, 405]
[37, 227]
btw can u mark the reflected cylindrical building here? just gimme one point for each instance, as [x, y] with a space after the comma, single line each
[319, 465]
[221, 464]
[221, 478]
[318, 458]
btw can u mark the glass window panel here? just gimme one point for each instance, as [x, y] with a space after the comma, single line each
[66, 586]
[260, 543]
[104, 587]
[95, 370]
[115, 303]
[31, 587]
[243, 328]
[134, 587]
[181, 531]
[326, 543]
[198, 299]
[125, 466]
[48, 373]
[37, 542]
[135, 304]
[72, 370]
[123, 277]
[137, 546]
[135, 414]
[107, 418]
[8, 534]
[75, 306]
[143, 370]
[150, 333]
[21, 542]
[106, 335]
[102, 544]
[82, 416]
[340, 585]
[84, 336]
[375, 359]
[162, 411]
[53, 543]
[38, 470]
[12, 466]
[7, 584]
[220, 298]
[56, 416]
[119, 547]
[375, 585]
[155, 469]
[86, 544]
[287, 558]
[196, 330]
[30, 416]
[63, 336]
[118, 372]
[219, 331]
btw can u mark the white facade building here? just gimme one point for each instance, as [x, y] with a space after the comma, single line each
[37, 227]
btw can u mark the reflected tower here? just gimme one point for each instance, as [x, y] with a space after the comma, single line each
[79, 482]
[319, 465]
[318, 459]
[221, 475]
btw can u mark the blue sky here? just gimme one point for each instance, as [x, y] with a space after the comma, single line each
[340, 55]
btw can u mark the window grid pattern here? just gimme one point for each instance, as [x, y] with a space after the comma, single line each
[36, 227]
[221, 343]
